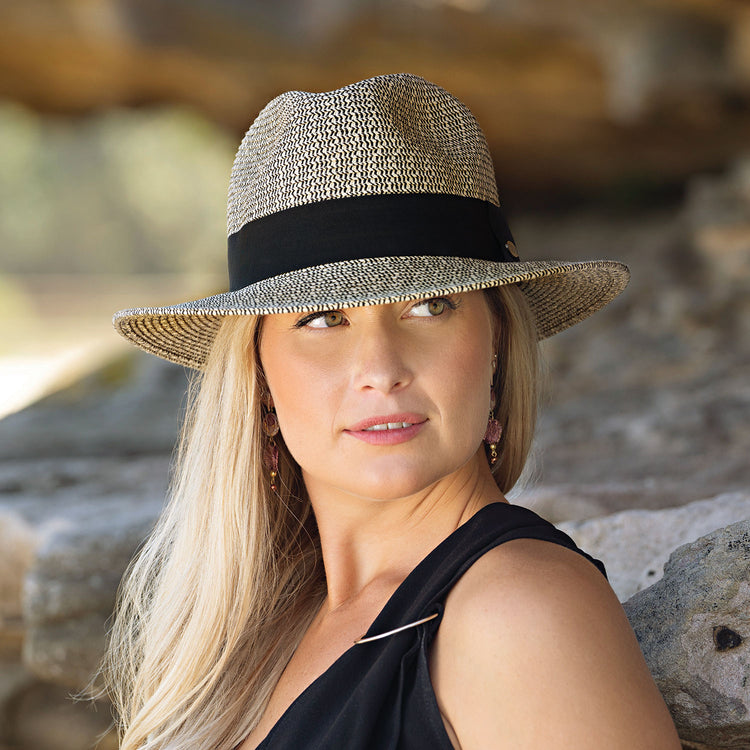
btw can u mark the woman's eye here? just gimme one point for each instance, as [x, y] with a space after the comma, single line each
[431, 307]
[327, 319]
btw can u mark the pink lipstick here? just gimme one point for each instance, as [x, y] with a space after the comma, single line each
[390, 429]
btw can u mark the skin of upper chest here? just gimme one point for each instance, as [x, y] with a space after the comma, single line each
[330, 635]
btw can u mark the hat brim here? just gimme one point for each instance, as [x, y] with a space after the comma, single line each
[559, 293]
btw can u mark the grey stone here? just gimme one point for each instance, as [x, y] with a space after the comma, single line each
[69, 528]
[70, 589]
[561, 503]
[48, 717]
[718, 212]
[649, 399]
[67, 652]
[635, 544]
[14, 679]
[18, 542]
[694, 629]
[129, 408]
[44, 491]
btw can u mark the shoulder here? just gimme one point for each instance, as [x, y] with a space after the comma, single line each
[534, 650]
[527, 579]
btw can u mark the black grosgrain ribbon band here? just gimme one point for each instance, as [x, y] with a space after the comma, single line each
[371, 226]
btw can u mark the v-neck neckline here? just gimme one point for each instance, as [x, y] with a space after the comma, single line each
[376, 626]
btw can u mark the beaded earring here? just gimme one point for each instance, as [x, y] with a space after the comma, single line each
[493, 432]
[270, 424]
[494, 428]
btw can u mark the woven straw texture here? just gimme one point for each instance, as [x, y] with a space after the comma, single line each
[390, 134]
[560, 294]
[393, 134]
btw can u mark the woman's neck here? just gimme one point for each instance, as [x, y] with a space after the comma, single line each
[370, 546]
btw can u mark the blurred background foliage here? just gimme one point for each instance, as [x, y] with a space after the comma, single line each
[122, 192]
[95, 211]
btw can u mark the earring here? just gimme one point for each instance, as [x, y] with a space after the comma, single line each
[270, 426]
[494, 428]
[493, 432]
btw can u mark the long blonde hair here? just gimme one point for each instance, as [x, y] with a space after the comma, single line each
[220, 595]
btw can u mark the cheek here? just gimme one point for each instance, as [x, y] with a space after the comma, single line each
[302, 411]
[470, 380]
[304, 394]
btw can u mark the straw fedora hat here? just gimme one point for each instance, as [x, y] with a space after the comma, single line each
[378, 192]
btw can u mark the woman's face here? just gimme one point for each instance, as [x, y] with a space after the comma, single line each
[382, 401]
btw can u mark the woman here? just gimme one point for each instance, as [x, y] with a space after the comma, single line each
[338, 566]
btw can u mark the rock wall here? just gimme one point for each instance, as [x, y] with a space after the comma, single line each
[68, 528]
[693, 627]
[635, 545]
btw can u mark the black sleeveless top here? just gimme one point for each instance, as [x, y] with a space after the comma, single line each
[378, 695]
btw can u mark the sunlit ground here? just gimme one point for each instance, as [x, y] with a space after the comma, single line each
[25, 379]
[56, 329]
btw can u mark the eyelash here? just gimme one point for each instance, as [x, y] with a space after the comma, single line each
[312, 316]
[452, 305]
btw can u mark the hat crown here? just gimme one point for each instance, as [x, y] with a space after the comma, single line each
[386, 135]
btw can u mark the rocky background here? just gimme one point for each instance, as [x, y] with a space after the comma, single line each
[619, 130]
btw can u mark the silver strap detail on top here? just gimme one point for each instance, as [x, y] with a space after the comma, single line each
[396, 630]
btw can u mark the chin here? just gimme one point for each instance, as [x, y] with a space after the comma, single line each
[384, 479]
[394, 484]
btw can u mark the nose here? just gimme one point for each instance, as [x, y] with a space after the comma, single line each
[379, 358]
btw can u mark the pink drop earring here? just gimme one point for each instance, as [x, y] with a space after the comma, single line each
[270, 425]
[494, 428]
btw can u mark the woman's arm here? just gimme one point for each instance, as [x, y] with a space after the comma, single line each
[535, 652]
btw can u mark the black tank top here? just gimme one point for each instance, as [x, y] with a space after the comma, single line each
[378, 695]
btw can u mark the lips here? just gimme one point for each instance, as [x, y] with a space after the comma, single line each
[388, 422]
[389, 429]
[389, 426]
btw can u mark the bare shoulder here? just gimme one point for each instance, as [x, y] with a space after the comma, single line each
[535, 651]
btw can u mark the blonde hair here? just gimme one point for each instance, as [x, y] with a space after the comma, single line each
[217, 600]
[517, 381]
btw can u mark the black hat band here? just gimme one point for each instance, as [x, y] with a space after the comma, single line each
[370, 226]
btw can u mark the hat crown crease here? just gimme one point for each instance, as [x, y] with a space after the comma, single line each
[390, 134]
